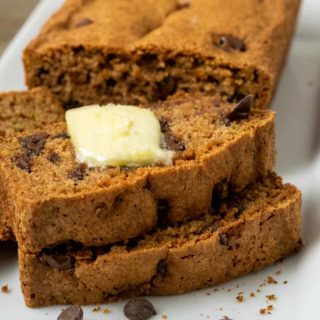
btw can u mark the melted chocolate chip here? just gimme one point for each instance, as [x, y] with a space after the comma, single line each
[53, 157]
[162, 268]
[223, 239]
[34, 144]
[242, 109]
[139, 309]
[83, 22]
[71, 313]
[79, 172]
[228, 42]
[172, 143]
[22, 161]
[59, 262]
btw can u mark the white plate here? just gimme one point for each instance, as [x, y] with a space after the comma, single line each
[298, 141]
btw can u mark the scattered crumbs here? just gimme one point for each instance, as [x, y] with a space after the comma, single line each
[258, 290]
[252, 295]
[164, 317]
[240, 293]
[208, 293]
[5, 289]
[270, 280]
[238, 286]
[226, 318]
[278, 272]
[262, 285]
[216, 289]
[285, 282]
[240, 298]
[106, 311]
[271, 297]
[229, 290]
[266, 310]
[96, 309]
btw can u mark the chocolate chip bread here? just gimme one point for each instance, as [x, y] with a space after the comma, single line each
[213, 142]
[25, 110]
[142, 51]
[244, 232]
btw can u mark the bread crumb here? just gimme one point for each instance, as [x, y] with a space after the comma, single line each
[208, 293]
[270, 280]
[240, 298]
[229, 290]
[96, 309]
[106, 311]
[258, 290]
[252, 295]
[271, 297]
[164, 317]
[285, 282]
[226, 318]
[278, 272]
[266, 310]
[5, 289]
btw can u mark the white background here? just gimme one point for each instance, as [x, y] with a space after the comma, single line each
[298, 142]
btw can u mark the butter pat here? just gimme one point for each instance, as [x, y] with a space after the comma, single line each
[116, 135]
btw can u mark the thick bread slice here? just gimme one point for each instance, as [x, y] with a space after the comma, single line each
[51, 198]
[144, 50]
[245, 232]
[26, 110]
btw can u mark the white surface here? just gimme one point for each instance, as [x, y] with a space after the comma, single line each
[298, 140]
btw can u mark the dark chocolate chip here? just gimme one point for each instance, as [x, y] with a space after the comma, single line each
[111, 82]
[165, 88]
[228, 42]
[172, 143]
[149, 60]
[63, 135]
[164, 125]
[71, 313]
[83, 22]
[79, 172]
[34, 144]
[139, 309]
[59, 262]
[72, 104]
[163, 209]
[223, 239]
[41, 71]
[162, 268]
[242, 109]
[22, 161]
[53, 157]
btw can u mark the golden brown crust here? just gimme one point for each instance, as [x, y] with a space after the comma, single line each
[146, 50]
[21, 111]
[106, 205]
[197, 254]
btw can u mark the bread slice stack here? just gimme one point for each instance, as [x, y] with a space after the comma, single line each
[90, 235]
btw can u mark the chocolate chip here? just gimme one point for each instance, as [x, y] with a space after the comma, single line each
[228, 42]
[34, 144]
[53, 157]
[162, 268]
[59, 262]
[165, 88]
[172, 143]
[79, 172]
[242, 109]
[83, 22]
[164, 125]
[71, 313]
[71, 104]
[163, 209]
[223, 239]
[22, 161]
[41, 71]
[139, 309]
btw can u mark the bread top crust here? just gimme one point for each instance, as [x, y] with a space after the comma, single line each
[174, 27]
[196, 124]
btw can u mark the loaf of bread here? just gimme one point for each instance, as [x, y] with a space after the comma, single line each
[50, 197]
[244, 232]
[25, 110]
[140, 51]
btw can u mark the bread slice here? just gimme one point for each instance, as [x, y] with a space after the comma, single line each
[245, 231]
[142, 51]
[214, 142]
[26, 110]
